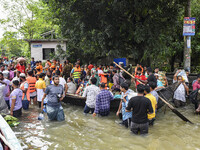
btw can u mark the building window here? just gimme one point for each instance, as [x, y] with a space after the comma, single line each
[47, 53]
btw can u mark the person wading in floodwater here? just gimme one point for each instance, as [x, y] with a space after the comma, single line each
[140, 106]
[54, 95]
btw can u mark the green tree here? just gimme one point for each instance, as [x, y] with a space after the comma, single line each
[138, 29]
[11, 44]
[29, 19]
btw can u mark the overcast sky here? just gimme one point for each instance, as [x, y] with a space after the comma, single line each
[2, 16]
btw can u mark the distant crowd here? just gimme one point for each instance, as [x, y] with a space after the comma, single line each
[24, 83]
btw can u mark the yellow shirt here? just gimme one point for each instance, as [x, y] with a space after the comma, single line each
[40, 84]
[153, 104]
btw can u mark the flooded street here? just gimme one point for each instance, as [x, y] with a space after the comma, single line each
[80, 132]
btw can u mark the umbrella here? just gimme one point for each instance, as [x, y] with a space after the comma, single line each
[21, 59]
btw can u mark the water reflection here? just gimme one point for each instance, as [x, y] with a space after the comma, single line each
[85, 132]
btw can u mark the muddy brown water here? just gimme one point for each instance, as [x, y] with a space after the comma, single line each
[80, 132]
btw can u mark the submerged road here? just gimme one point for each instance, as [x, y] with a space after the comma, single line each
[80, 132]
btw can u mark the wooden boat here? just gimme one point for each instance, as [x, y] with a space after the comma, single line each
[80, 101]
[166, 93]
[8, 140]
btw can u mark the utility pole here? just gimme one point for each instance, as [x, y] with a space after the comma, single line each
[187, 50]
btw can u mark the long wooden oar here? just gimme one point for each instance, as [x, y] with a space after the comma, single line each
[175, 111]
[169, 105]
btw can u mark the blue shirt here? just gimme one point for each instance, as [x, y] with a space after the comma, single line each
[103, 101]
[125, 115]
[159, 83]
[32, 64]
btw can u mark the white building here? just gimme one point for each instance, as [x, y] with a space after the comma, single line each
[41, 49]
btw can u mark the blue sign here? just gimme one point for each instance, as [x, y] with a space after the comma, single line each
[118, 60]
[37, 45]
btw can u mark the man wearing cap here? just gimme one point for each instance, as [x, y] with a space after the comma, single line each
[26, 93]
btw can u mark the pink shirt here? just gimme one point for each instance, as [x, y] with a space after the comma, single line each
[196, 85]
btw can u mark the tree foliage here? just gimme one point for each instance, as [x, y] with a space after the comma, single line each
[11, 45]
[26, 19]
[136, 28]
[147, 32]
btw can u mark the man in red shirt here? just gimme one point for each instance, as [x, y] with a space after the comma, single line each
[196, 84]
[20, 67]
[139, 76]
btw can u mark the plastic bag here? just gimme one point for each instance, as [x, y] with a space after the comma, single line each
[41, 116]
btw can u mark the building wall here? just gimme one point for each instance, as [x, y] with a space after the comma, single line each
[36, 48]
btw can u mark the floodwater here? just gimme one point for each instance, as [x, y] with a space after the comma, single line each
[80, 132]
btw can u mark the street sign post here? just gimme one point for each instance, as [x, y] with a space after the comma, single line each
[189, 26]
[188, 31]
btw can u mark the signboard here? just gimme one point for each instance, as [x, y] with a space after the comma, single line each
[37, 45]
[120, 60]
[189, 26]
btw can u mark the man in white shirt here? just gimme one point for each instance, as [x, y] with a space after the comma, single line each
[16, 77]
[71, 87]
[181, 91]
[91, 93]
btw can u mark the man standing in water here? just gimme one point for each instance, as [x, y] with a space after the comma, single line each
[54, 95]
[126, 116]
[91, 93]
[140, 107]
[103, 101]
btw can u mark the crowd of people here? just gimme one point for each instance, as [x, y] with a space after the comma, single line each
[46, 84]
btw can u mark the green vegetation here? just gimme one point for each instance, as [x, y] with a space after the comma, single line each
[12, 121]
